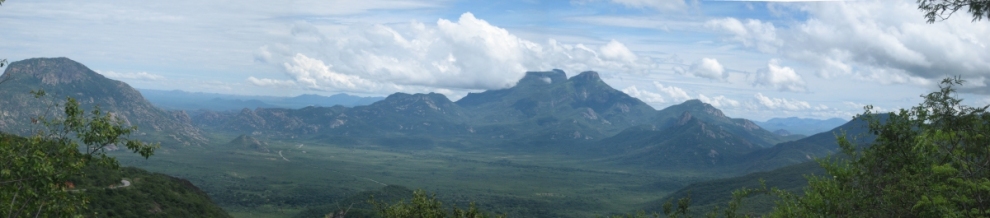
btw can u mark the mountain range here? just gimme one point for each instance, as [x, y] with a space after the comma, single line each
[194, 101]
[544, 111]
[803, 126]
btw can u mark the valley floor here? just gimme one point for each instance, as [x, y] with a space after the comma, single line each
[295, 175]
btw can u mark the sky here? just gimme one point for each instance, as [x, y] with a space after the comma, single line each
[752, 59]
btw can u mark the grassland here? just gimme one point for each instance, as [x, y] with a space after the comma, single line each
[296, 175]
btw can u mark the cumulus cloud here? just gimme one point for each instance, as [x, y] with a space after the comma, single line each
[752, 33]
[675, 93]
[718, 101]
[883, 41]
[781, 103]
[659, 96]
[643, 95]
[132, 76]
[466, 54]
[779, 77]
[705, 68]
[617, 51]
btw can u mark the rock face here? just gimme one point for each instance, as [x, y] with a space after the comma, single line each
[61, 78]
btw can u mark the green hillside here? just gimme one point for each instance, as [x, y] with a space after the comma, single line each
[148, 195]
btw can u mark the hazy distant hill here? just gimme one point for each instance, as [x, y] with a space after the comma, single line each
[700, 136]
[191, 101]
[815, 146]
[62, 77]
[544, 110]
[803, 126]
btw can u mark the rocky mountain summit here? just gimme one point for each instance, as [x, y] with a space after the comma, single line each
[61, 78]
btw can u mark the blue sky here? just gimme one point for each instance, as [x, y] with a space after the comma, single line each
[751, 59]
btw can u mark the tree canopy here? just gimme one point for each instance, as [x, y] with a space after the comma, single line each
[943, 9]
[931, 160]
[35, 171]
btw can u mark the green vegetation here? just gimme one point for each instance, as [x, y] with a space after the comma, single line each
[35, 170]
[149, 195]
[937, 9]
[425, 206]
[707, 195]
[929, 160]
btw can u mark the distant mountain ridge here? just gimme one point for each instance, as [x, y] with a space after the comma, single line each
[192, 101]
[544, 110]
[802, 126]
[62, 77]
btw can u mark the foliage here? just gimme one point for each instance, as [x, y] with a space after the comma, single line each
[707, 195]
[938, 8]
[425, 206]
[35, 170]
[929, 160]
[150, 195]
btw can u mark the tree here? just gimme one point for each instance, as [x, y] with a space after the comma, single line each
[424, 206]
[931, 160]
[939, 8]
[34, 171]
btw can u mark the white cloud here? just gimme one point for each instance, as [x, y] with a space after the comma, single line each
[660, 5]
[314, 74]
[753, 33]
[617, 51]
[860, 107]
[469, 54]
[643, 95]
[781, 103]
[675, 93]
[779, 77]
[882, 41]
[132, 76]
[718, 101]
[706, 68]
[271, 82]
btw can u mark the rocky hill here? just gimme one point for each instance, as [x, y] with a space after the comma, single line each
[61, 78]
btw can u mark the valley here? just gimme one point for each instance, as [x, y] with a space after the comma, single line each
[550, 146]
[251, 183]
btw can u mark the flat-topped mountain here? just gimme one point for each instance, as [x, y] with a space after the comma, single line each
[62, 77]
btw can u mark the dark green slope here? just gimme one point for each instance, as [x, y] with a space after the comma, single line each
[357, 206]
[690, 143]
[708, 194]
[62, 77]
[705, 112]
[149, 195]
[806, 149]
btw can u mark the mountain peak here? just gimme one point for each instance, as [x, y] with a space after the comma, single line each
[51, 71]
[587, 76]
[698, 105]
[544, 77]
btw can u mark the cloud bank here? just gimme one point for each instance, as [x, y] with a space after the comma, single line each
[884, 41]
[467, 54]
